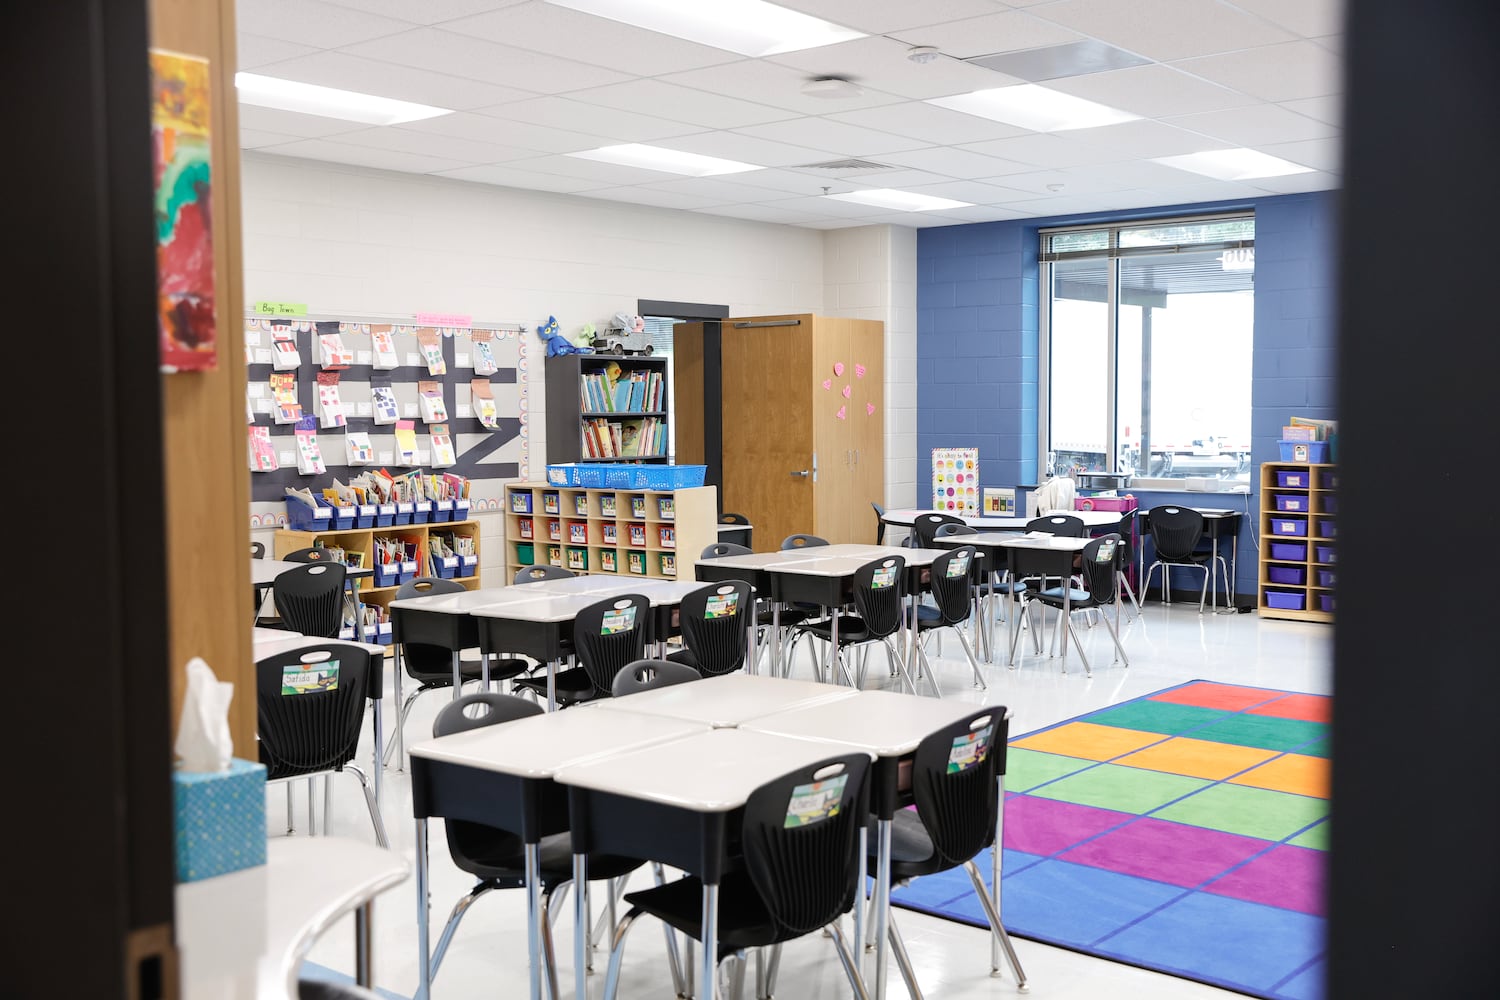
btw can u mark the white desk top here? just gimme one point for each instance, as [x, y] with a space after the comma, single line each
[1090, 519]
[729, 529]
[466, 602]
[537, 606]
[244, 935]
[597, 584]
[760, 560]
[884, 723]
[266, 646]
[714, 771]
[1010, 540]
[537, 746]
[265, 571]
[260, 634]
[726, 701]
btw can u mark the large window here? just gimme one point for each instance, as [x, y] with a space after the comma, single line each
[1147, 331]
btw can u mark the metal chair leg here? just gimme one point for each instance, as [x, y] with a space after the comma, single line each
[370, 804]
[549, 954]
[312, 816]
[979, 680]
[460, 908]
[290, 825]
[773, 966]
[903, 960]
[997, 929]
[400, 725]
[851, 968]
[617, 953]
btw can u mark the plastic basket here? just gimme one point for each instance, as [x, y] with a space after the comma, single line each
[525, 553]
[423, 512]
[1326, 577]
[468, 565]
[1326, 554]
[387, 574]
[385, 515]
[520, 503]
[461, 510]
[1293, 575]
[344, 518]
[303, 518]
[1292, 480]
[1315, 452]
[654, 477]
[404, 512]
[1289, 526]
[442, 510]
[1295, 502]
[445, 567]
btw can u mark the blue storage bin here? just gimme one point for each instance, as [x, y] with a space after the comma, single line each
[404, 512]
[302, 518]
[1327, 527]
[445, 566]
[364, 516]
[1293, 480]
[1325, 603]
[408, 571]
[1326, 554]
[563, 474]
[423, 512]
[520, 503]
[385, 515]
[383, 633]
[1326, 577]
[387, 574]
[654, 477]
[461, 510]
[344, 517]
[1285, 600]
[468, 565]
[219, 820]
[1295, 503]
[442, 510]
[1293, 551]
[1314, 452]
[1293, 575]
[1289, 526]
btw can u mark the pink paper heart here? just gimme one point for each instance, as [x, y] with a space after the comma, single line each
[843, 413]
[859, 371]
[838, 368]
[828, 383]
[847, 391]
[869, 409]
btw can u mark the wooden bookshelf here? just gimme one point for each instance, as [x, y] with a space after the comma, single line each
[646, 533]
[1298, 568]
[576, 404]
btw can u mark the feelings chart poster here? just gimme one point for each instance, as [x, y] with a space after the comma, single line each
[955, 480]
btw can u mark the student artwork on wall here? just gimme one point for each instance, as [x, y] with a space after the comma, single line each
[383, 401]
[183, 176]
[309, 454]
[333, 353]
[955, 480]
[406, 442]
[483, 356]
[434, 411]
[330, 406]
[284, 395]
[483, 402]
[262, 452]
[442, 447]
[383, 346]
[357, 448]
[432, 351]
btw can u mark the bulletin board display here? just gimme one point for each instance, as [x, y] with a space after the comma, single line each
[383, 393]
[955, 480]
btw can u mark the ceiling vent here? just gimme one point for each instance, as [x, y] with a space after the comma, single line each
[846, 166]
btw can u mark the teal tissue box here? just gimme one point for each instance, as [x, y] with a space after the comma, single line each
[219, 819]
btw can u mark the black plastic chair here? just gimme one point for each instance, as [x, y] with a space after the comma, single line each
[496, 857]
[718, 549]
[310, 707]
[879, 523]
[715, 622]
[310, 599]
[958, 803]
[257, 550]
[1175, 534]
[1126, 530]
[801, 542]
[1099, 564]
[1062, 525]
[533, 574]
[645, 675]
[741, 521]
[953, 591]
[924, 527]
[879, 604]
[800, 874]
[313, 553]
[764, 618]
[607, 636]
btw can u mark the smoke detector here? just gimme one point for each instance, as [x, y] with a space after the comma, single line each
[831, 88]
[923, 53]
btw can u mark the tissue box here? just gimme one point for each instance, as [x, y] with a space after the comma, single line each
[219, 820]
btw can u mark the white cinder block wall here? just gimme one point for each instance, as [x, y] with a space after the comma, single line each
[366, 242]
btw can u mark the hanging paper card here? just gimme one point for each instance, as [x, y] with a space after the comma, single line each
[484, 402]
[815, 802]
[333, 351]
[357, 448]
[955, 480]
[285, 356]
[883, 577]
[442, 446]
[406, 442]
[309, 455]
[385, 348]
[384, 399]
[262, 452]
[330, 406]
[957, 566]
[284, 392]
[618, 620]
[430, 395]
[484, 354]
[431, 343]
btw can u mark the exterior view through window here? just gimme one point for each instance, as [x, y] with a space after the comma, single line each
[1147, 331]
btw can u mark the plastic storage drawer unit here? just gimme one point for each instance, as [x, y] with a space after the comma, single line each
[1293, 480]
[1293, 502]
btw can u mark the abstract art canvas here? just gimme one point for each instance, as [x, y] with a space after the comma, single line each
[184, 230]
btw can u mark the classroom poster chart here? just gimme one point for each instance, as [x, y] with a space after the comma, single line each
[955, 480]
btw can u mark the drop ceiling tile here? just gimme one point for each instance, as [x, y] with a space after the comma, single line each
[426, 11]
[1195, 188]
[638, 195]
[311, 22]
[973, 192]
[257, 50]
[591, 119]
[1007, 31]
[928, 122]
[720, 190]
[879, 17]
[928, 220]
[251, 138]
[1286, 72]
[881, 64]
[1040, 150]
[684, 104]
[804, 183]
[831, 208]
[607, 174]
[1165, 29]
[1321, 154]
[404, 83]
[1298, 183]
[488, 61]
[430, 144]
[1255, 126]
[1061, 184]
[771, 84]
[483, 128]
[1308, 18]
[771, 213]
[947, 161]
[1120, 176]
[835, 223]
[507, 176]
[1144, 139]
[363, 156]
[1152, 91]
[821, 133]
[571, 34]
[294, 123]
[745, 148]
[1329, 110]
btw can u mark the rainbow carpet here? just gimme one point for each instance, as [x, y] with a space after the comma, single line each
[1183, 832]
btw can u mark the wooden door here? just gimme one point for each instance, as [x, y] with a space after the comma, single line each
[768, 426]
[833, 372]
[687, 400]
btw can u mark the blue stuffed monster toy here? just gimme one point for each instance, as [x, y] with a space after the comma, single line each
[557, 344]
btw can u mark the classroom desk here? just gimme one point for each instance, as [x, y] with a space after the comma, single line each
[889, 726]
[1218, 522]
[1092, 519]
[727, 701]
[263, 574]
[672, 803]
[245, 934]
[736, 533]
[1051, 556]
[502, 776]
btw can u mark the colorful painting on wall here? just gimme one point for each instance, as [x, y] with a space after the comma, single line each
[184, 230]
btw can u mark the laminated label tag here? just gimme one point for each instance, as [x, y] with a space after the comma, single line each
[883, 577]
[969, 749]
[615, 622]
[306, 678]
[721, 605]
[958, 566]
[815, 802]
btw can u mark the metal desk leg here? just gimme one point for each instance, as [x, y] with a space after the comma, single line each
[376, 764]
[710, 941]
[552, 686]
[400, 729]
[532, 855]
[424, 950]
[883, 902]
[458, 677]
[776, 668]
[581, 926]
[362, 941]
[861, 880]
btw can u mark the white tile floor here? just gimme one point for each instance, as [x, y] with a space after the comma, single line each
[1167, 646]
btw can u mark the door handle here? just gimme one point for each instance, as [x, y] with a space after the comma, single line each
[802, 472]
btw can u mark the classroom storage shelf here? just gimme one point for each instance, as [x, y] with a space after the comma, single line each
[591, 395]
[654, 534]
[1298, 528]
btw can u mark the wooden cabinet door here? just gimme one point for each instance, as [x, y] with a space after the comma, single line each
[866, 420]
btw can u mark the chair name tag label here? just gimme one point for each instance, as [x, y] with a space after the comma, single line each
[883, 577]
[615, 622]
[301, 679]
[721, 605]
[815, 802]
[969, 749]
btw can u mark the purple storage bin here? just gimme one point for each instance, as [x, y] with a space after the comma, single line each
[1325, 554]
[1327, 528]
[1292, 480]
[1286, 600]
[1289, 526]
[1294, 502]
[1325, 602]
[1328, 479]
[1329, 504]
[1293, 551]
[1293, 575]
[1325, 577]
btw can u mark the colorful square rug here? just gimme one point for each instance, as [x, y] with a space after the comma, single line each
[1183, 832]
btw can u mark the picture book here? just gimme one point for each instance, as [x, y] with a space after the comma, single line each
[525, 530]
[637, 563]
[482, 396]
[607, 561]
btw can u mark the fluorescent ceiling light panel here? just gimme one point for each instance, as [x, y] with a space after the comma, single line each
[901, 201]
[671, 161]
[329, 102]
[750, 27]
[1234, 164]
[1028, 105]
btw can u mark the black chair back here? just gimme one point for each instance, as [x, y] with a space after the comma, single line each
[802, 541]
[310, 706]
[954, 783]
[727, 518]
[718, 549]
[531, 574]
[879, 523]
[1062, 525]
[714, 623]
[948, 530]
[952, 584]
[475, 847]
[257, 550]
[315, 553]
[1100, 565]
[310, 599]
[799, 835]
[1126, 530]
[1175, 532]
[423, 661]
[879, 595]
[610, 634]
[643, 675]
[924, 527]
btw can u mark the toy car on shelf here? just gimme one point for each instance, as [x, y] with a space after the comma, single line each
[625, 334]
